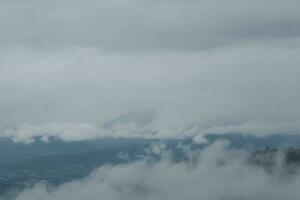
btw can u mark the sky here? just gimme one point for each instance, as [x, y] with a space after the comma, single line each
[87, 69]
[189, 68]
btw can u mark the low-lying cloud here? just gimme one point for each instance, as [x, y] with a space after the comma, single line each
[216, 173]
[68, 132]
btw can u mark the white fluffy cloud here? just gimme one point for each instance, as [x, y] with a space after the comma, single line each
[26, 133]
[215, 174]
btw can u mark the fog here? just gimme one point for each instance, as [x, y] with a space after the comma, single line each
[216, 173]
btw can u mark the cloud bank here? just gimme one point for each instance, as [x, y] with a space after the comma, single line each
[214, 174]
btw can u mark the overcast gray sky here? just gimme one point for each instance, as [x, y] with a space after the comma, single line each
[68, 66]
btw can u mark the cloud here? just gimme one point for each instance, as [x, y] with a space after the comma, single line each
[254, 128]
[197, 64]
[216, 174]
[131, 25]
[27, 133]
[201, 89]
[69, 131]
